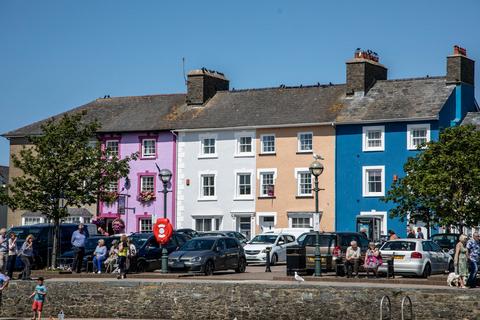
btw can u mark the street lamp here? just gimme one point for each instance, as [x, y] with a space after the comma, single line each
[165, 177]
[316, 169]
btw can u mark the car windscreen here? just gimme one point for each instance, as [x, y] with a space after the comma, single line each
[212, 234]
[22, 233]
[264, 238]
[324, 240]
[198, 244]
[139, 240]
[399, 246]
[444, 240]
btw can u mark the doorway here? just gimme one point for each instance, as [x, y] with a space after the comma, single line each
[267, 223]
[244, 226]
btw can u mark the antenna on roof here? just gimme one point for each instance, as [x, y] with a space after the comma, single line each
[183, 67]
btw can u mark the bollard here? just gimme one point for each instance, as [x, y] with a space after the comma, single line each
[164, 260]
[390, 267]
[267, 261]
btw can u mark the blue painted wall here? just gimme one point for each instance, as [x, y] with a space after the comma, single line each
[350, 159]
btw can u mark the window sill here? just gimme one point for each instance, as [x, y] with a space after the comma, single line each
[373, 150]
[267, 154]
[266, 197]
[246, 155]
[305, 152]
[304, 197]
[374, 195]
[206, 199]
[243, 199]
[148, 157]
[213, 156]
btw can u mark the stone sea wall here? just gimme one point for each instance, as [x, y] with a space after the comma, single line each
[179, 299]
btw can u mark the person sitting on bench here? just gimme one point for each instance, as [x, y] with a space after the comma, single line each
[352, 258]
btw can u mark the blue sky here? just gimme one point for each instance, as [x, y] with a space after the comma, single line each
[55, 55]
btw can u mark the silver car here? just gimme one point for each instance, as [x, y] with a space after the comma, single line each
[415, 257]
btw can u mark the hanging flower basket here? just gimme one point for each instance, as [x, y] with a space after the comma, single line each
[110, 197]
[146, 196]
[100, 223]
[118, 225]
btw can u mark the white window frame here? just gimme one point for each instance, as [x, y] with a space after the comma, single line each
[366, 129]
[239, 196]
[25, 219]
[110, 185]
[141, 182]
[140, 229]
[240, 135]
[380, 214]
[365, 182]
[260, 173]
[410, 128]
[213, 222]
[266, 214]
[201, 153]
[154, 155]
[118, 147]
[297, 172]
[262, 151]
[299, 150]
[290, 221]
[201, 197]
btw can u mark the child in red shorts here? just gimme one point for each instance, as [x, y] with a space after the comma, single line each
[38, 299]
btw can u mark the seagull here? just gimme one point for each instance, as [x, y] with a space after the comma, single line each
[298, 278]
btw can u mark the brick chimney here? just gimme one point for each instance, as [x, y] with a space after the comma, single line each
[362, 72]
[202, 84]
[460, 69]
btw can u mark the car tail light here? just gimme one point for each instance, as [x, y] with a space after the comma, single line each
[416, 255]
[337, 251]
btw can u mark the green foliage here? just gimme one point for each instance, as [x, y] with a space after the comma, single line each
[65, 162]
[442, 183]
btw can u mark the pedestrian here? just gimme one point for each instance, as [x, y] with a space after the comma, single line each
[12, 254]
[392, 235]
[363, 232]
[420, 233]
[4, 281]
[411, 233]
[122, 257]
[3, 249]
[26, 255]
[473, 248]
[78, 244]
[100, 255]
[352, 258]
[460, 260]
[38, 299]
[132, 257]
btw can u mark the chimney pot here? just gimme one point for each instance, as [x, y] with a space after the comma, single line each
[203, 84]
[363, 71]
[460, 69]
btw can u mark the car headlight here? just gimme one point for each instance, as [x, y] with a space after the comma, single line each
[196, 259]
[265, 250]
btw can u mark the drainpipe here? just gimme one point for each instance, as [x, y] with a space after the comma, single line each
[175, 183]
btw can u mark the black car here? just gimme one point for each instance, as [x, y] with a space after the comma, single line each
[234, 234]
[43, 240]
[190, 233]
[209, 254]
[149, 252]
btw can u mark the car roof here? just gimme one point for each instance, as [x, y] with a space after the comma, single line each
[408, 239]
[211, 238]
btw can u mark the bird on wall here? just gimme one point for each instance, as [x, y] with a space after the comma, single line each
[317, 157]
[298, 278]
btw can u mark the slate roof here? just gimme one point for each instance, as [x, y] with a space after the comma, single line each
[472, 118]
[387, 100]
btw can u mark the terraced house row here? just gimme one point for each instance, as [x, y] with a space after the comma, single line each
[240, 158]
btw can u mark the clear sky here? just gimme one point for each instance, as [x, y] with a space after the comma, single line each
[55, 55]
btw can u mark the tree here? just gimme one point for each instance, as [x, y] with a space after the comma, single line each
[64, 167]
[442, 183]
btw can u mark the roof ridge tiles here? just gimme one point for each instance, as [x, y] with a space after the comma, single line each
[319, 85]
[414, 78]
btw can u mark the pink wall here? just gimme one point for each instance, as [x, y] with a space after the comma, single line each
[165, 158]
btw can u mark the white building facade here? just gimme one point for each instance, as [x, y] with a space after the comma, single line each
[216, 180]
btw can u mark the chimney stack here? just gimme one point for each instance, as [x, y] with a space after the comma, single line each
[203, 84]
[363, 71]
[460, 69]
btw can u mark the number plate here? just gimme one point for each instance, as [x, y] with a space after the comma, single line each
[398, 257]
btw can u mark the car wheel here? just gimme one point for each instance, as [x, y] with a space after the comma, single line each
[141, 267]
[274, 259]
[209, 268]
[427, 271]
[242, 266]
[451, 266]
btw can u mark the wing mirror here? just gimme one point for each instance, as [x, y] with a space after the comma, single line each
[218, 249]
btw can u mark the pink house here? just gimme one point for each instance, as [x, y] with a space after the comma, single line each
[143, 200]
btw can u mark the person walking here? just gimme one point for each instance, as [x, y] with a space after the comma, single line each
[100, 255]
[38, 299]
[26, 255]
[461, 260]
[78, 245]
[122, 257]
[12, 254]
[132, 257]
[392, 235]
[473, 247]
[3, 249]
[420, 233]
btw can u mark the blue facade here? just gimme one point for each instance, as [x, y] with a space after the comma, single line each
[350, 160]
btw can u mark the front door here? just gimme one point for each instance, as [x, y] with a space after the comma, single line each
[267, 223]
[244, 226]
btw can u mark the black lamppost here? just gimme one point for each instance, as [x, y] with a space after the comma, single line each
[165, 177]
[316, 169]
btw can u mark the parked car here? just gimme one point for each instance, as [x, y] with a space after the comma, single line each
[234, 234]
[43, 240]
[333, 246]
[209, 254]
[416, 257]
[149, 252]
[190, 233]
[446, 241]
[256, 249]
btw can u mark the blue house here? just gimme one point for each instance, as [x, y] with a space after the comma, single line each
[380, 125]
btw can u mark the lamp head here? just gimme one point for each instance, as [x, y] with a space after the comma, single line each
[165, 175]
[316, 168]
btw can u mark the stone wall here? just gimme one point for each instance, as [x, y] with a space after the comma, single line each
[180, 299]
